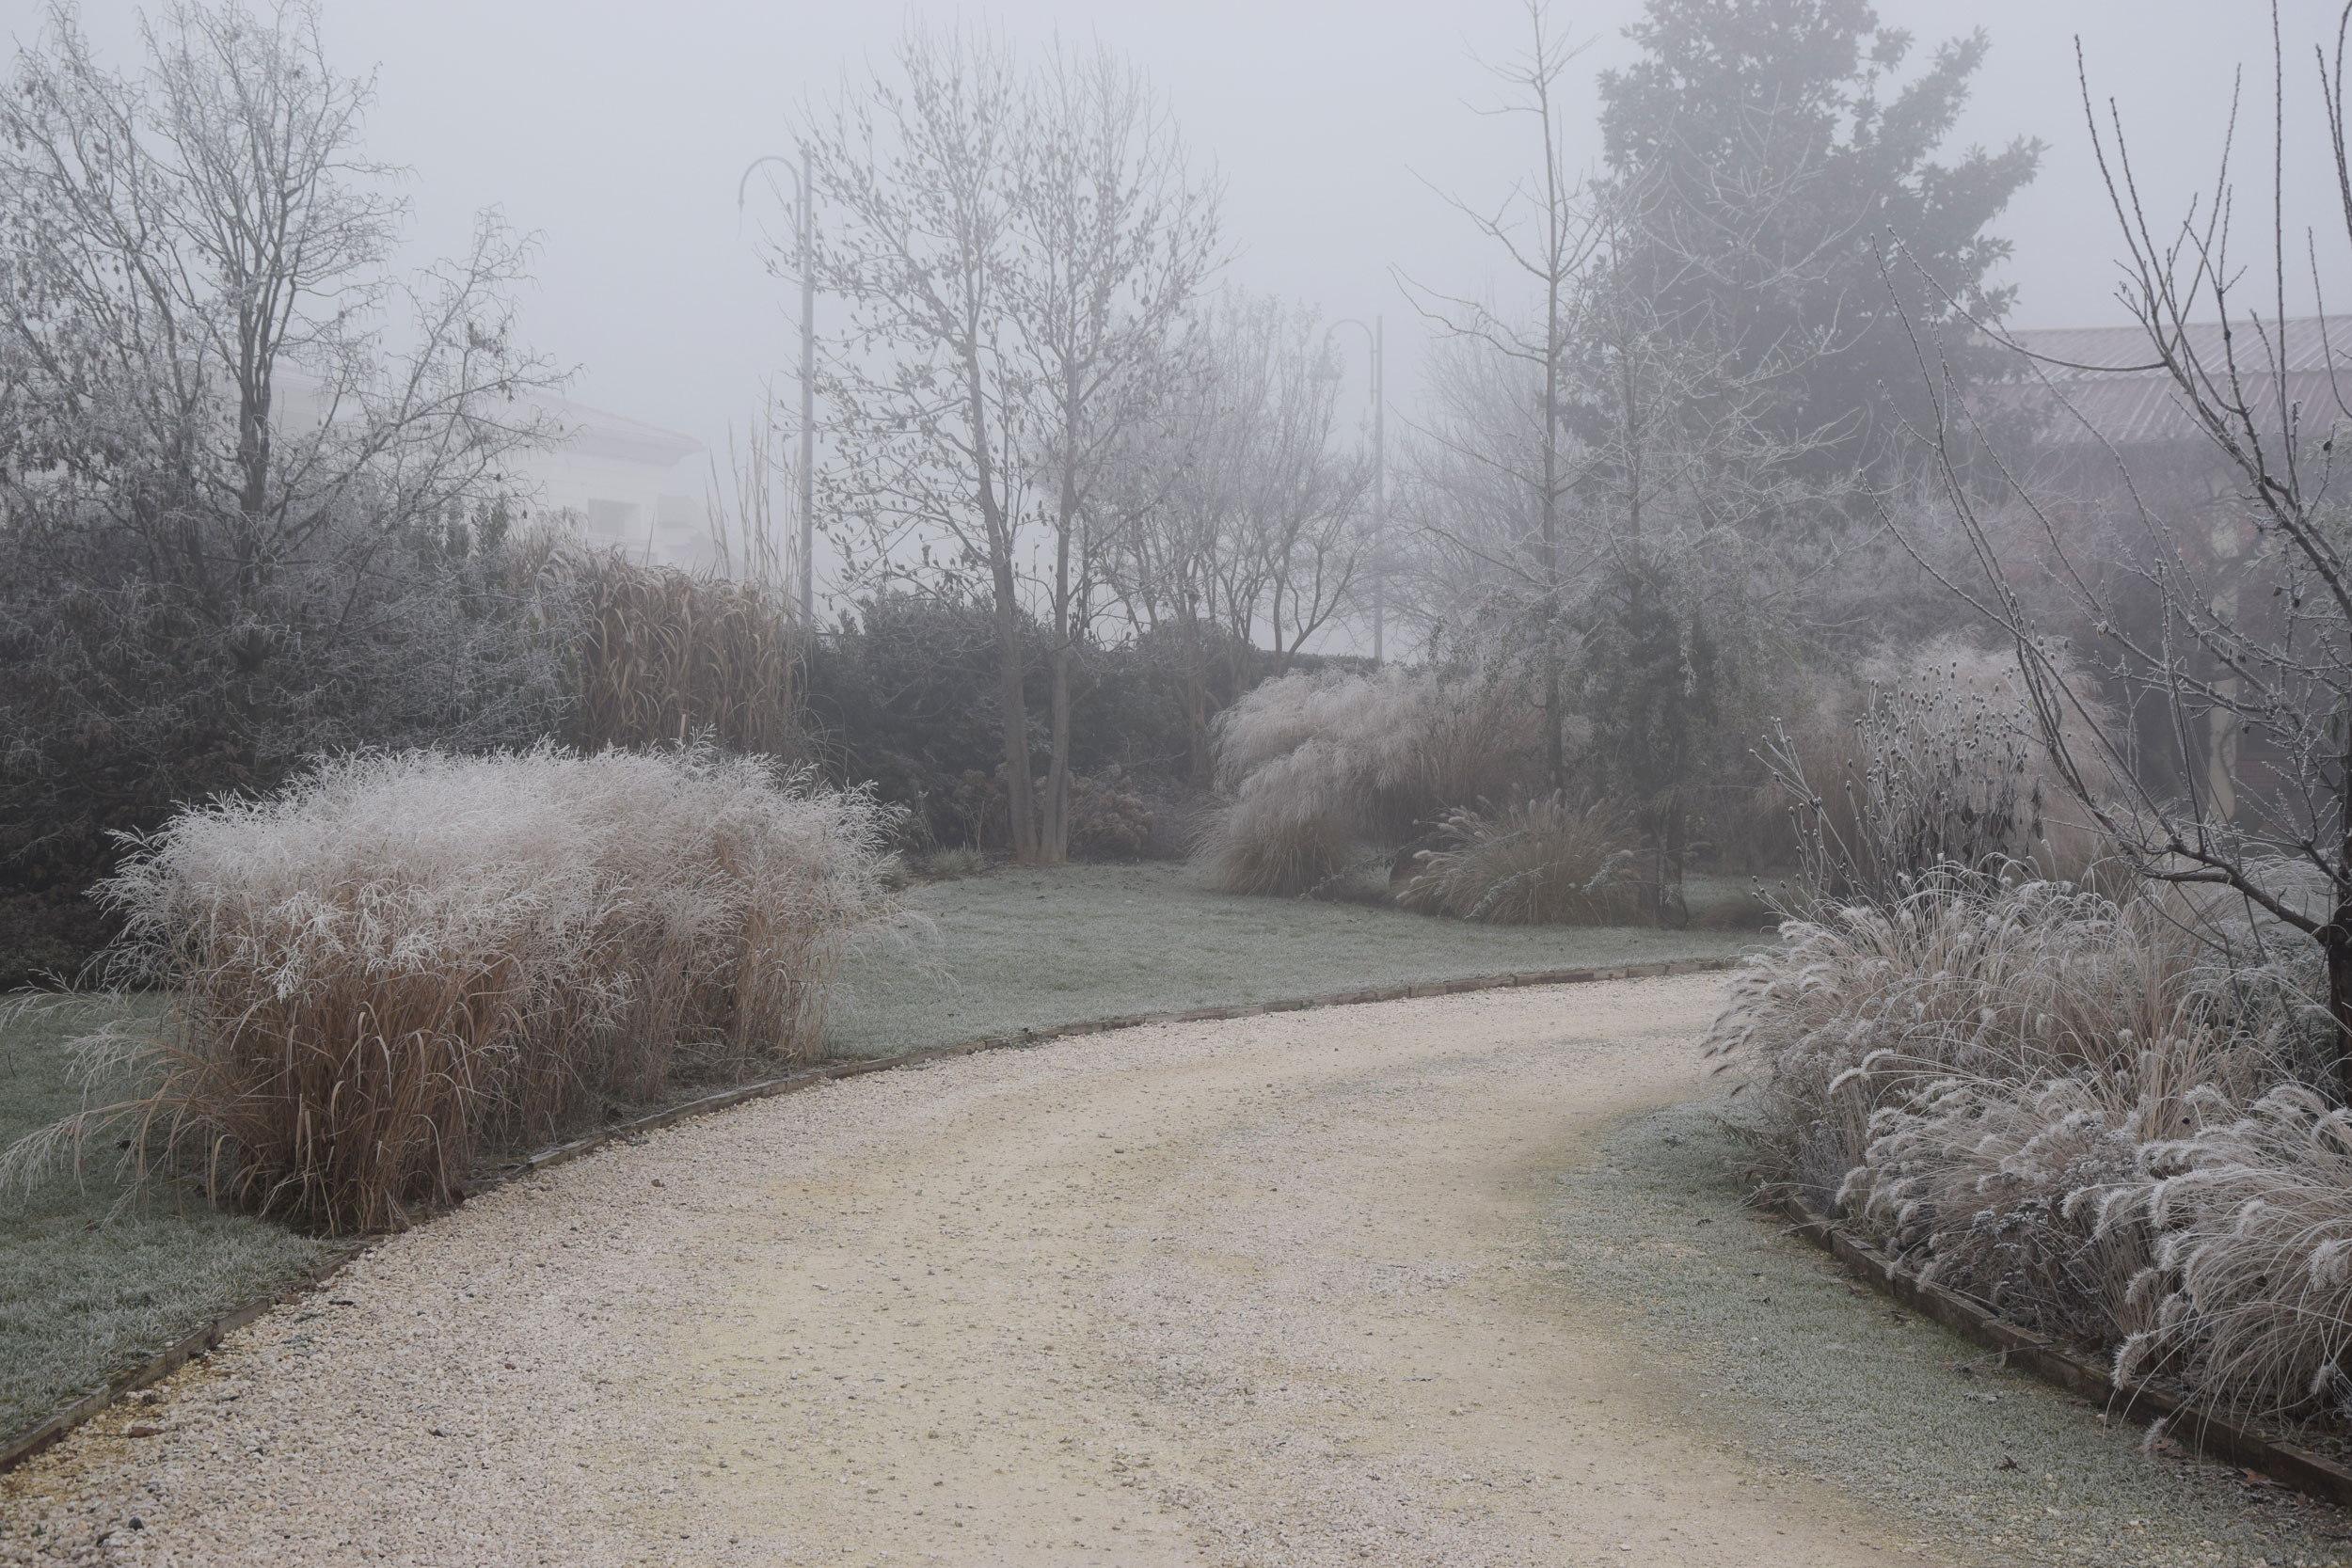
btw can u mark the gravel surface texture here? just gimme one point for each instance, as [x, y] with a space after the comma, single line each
[1298, 1289]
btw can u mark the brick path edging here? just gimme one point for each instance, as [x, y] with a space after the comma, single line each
[2235, 1442]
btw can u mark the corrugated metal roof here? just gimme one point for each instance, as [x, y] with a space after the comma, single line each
[2311, 342]
[2108, 378]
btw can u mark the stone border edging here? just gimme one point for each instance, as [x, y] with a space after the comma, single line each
[20, 1446]
[2219, 1436]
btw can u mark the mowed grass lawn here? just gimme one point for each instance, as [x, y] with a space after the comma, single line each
[1028, 949]
[95, 1279]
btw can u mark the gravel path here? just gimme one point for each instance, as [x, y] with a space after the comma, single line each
[1272, 1291]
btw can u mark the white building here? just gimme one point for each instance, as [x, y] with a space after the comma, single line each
[624, 483]
[621, 482]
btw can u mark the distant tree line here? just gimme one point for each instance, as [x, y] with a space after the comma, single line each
[258, 499]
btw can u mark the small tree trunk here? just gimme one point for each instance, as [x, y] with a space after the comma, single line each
[1197, 724]
[1020, 801]
[1674, 910]
[1555, 721]
[2336, 942]
[1053, 843]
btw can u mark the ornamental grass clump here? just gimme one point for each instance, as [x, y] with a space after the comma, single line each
[2092, 1115]
[1314, 764]
[399, 963]
[1547, 861]
[661, 655]
[2249, 1294]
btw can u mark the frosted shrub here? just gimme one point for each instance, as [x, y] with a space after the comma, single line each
[1313, 762]
[1936, 764]
[399, 960]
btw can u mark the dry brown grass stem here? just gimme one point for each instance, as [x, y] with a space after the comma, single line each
[664, 656]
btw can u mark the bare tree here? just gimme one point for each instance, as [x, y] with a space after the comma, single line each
[1236, 516]
[1114, 240]
[2217, 655]
[196, 279]
[239, 528]
[1014, 243]
[1544, 225]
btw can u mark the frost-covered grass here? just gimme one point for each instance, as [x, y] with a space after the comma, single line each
[87, 1292]
[1813, 1379]
[1017, 949]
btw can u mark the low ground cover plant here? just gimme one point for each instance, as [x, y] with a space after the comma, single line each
[401, 961]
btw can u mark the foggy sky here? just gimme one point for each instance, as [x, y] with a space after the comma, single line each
[617, 132]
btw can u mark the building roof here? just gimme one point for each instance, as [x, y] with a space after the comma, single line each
[2106, 383]
[595, 432]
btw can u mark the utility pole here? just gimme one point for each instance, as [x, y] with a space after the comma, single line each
[808, 405]
[1379, 482]
[1328, 369]
[805, 216]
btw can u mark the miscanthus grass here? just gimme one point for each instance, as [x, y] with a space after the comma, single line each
[400, 961]
[1313, 764]
[1547, 861]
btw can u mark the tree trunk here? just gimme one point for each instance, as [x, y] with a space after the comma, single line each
[1674, 910]
[1020, 800]
[2336, 942]
[1555, 721]
[1197, 720]
[1053, 843]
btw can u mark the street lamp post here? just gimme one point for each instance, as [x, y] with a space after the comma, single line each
[804, 215]
[1374, 337]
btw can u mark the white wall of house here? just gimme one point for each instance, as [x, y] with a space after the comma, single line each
[622, 482]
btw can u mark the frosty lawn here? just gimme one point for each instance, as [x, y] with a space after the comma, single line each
[1018, 950]
[84, 1295]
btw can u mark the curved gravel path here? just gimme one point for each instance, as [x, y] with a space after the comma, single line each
[1272, 1291]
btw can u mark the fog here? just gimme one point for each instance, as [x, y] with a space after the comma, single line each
[618, 133]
